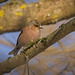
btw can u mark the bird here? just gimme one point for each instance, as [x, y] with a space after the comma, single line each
[28, 34]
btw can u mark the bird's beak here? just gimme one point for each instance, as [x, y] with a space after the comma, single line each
[41, 27]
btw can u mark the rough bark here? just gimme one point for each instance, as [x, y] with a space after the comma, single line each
[17, 13]
[41, 46]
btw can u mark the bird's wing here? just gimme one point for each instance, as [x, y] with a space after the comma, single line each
[18, 37]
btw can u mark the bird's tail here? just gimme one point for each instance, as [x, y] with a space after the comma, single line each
[15, 50]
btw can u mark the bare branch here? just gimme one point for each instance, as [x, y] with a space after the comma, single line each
[17, 14]
[67, 55]
[18, 60]
[63, 69]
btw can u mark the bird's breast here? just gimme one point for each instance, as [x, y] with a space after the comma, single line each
[29, 35]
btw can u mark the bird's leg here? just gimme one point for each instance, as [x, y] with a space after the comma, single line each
[37, 42]
[29, 46]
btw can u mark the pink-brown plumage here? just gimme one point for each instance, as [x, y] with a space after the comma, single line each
[28, 34]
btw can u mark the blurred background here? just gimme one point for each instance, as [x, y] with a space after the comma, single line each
[58, 59]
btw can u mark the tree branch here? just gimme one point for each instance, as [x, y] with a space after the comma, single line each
[39, 47]
[16, 14]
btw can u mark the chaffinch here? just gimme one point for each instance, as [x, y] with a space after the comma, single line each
[28, 34]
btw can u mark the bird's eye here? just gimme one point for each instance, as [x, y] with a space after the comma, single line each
[36, 25]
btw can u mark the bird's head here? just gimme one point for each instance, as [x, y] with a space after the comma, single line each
[36, 24]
